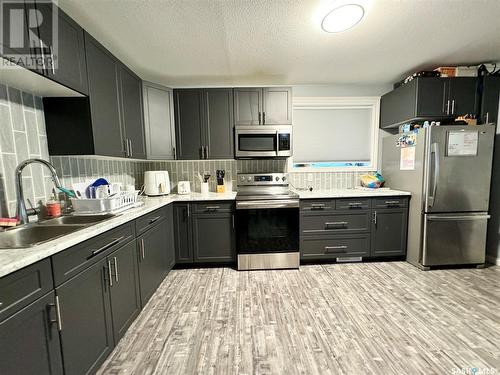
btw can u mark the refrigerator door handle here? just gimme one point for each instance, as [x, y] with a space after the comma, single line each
[435, 152]
[458, 217]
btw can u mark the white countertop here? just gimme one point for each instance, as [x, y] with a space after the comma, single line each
[351, 193]
[14, 259]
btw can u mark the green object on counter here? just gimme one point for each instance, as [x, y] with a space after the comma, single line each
[68, 192]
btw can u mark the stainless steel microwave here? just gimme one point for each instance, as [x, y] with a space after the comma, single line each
[263, 141]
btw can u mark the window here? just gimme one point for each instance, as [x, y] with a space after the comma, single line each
[334, 134]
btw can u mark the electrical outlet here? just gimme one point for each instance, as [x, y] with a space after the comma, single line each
[310, 177]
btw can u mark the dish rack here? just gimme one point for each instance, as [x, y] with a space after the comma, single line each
[104, 205]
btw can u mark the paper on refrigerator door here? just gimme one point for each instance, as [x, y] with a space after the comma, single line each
[407, 160]
[462, 143]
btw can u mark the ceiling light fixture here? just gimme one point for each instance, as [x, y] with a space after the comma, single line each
[342, 18]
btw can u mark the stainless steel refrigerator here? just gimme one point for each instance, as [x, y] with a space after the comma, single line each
[448, 171]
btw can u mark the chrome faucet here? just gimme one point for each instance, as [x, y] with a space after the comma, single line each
[22, 213]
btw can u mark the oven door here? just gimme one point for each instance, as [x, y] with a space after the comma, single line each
[255, 143]
[267, 226]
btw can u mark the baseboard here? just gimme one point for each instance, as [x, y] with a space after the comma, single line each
[491, 259]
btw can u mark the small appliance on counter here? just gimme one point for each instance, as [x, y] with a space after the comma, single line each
[183, 187]
[156, 183]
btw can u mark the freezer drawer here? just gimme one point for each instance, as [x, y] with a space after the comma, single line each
[454, 239]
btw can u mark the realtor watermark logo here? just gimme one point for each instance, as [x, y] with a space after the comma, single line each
[474, 371]
[29, 35]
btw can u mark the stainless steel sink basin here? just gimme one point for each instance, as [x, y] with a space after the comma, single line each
[34, 234]
[80, 220]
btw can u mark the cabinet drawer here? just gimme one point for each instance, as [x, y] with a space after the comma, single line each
[335, 223]
[22, 287]
[317, 205]
[214, 207]
[72, 261]
[334, 246]
[390, 202]
[147, 221]
[352, 204]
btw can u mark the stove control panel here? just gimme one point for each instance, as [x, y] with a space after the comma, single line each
[262, 179]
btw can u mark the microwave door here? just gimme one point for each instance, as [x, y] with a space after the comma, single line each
[256, 143]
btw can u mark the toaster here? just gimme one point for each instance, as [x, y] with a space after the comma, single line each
[156, 183]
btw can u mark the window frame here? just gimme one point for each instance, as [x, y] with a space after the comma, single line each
[350, 102]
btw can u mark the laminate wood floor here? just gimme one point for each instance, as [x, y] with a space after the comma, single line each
[361, 318]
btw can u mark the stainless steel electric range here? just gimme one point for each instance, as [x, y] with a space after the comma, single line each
[267, 222]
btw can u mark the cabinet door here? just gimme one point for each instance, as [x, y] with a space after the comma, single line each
[213, 238]
[189, 123]
[462, 95]
[30, 340]
[124, 290]
[182, 227]
[398, 105]
[219, 123]
[159, 122]
[490, 99]
[248, 106]
[66, 64]
[389, 232]
[131, 102]
[431, 97]
[152, 259]
[104, 99]
[87, 334]
[170, 236]
[277, 106]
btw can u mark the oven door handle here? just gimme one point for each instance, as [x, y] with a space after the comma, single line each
[263, 204]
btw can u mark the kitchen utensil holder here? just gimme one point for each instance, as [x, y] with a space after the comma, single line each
[104, 205]
[204, 188]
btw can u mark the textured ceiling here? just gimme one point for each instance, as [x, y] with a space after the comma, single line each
[252, 42]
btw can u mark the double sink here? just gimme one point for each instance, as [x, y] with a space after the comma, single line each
[34, 234]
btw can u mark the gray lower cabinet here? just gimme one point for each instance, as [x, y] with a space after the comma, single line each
[29, 340]
[87, 329]
[389, 232]
[123, 280]
[213, 237]
[153, 259]
[354, 227]
[204, 232]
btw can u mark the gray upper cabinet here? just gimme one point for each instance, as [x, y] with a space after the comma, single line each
[189, 123]
[277, 106]
[104, 100]
[432, 98]
[132, 117]
[159, 122]
[263, 106]
[66, 64]
[490, 99]
[219, 123]
[248, 106]
[204, 123]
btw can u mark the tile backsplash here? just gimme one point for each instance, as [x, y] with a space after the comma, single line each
[23, 136]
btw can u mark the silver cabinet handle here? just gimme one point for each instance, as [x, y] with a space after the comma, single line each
[458, 217]
[115, 261]
[52, 61]
[487, 117]
[154, 220]
[188, 210]
[453, 106]
[43, 56]
[317, 206]
[130, 147]
[206, 152]
[212, 208]
[110, 274]
[447, 107]
[58, 312]
[336, 223]
[107, 246]
[202, 151]
[354, 204]
[173, 152]
[391, 202]
[260, 117]
[143, 252]
[232, 217]
[339, 247]
[263, 118]
[374, 217]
